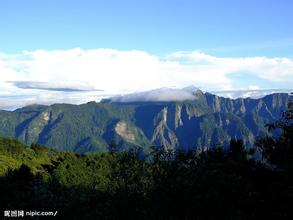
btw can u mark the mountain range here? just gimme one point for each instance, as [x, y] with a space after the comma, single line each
[176, 119]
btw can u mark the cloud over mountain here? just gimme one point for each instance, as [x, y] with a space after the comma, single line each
[160, 95]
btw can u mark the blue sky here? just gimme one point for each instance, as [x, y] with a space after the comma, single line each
[217, 27]
[75, 51]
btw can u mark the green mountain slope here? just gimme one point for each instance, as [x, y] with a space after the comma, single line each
[206, 121]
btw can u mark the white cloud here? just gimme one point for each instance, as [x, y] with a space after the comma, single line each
[47, 98]
[120, 72]
[251, 93]
[160, 95]
[274, 69]
[66, 86]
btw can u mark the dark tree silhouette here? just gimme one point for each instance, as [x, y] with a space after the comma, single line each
[236, 147]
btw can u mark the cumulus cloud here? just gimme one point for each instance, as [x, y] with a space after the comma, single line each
[38, 73]
[279, 69]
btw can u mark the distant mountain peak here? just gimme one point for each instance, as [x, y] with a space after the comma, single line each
[163, 94]
[191, 88]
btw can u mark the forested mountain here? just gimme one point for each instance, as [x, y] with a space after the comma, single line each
[206, 120]
[185, 184]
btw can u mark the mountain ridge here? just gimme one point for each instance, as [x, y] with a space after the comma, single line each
[206, 121]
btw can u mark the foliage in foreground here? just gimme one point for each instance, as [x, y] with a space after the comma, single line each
[119, 185]
[167, 185]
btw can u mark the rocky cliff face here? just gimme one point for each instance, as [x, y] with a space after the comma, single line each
[207, 120]
[210, 120]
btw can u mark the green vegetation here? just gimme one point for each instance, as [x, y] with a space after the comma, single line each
[213, 184]
[13, 154]
[207, 121]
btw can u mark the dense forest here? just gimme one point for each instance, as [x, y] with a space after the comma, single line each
[212, 184]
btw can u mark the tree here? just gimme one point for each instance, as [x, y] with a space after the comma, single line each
[39, 149]
[236, 147]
